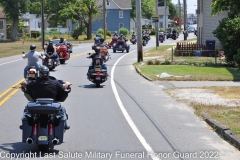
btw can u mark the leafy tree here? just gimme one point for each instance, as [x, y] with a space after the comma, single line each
[13, 10]
[228, 31]
[147, 6]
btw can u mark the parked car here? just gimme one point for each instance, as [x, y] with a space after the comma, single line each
[191, 29]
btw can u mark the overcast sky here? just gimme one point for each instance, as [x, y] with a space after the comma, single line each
[190, 5]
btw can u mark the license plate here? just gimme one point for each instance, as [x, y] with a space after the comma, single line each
[42, 138]
[97, 69]
[49, 63]
[32, 75]
[61, 54]
[120, 46]
[98, 78]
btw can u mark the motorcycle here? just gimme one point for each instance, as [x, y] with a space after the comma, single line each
[133, 40]
[32, 73]
[121, 45]
[50, 62]
[145, 40]
[42, 127]
[113, 42]
[63, 53]
[97, 75]
[174, 36]
[161, 38]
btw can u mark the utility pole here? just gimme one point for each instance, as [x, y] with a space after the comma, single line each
[42, 27]
[104, 19]
[139, 30]
[166, 21]
[185, 14]
[156, 24]
[180, 14]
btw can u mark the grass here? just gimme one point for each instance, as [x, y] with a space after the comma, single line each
[200, 69]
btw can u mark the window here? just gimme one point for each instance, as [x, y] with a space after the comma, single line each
[120, 14]
[161, 16]
[121, 25]
[161, 25]
[1, 24]
[108, 3]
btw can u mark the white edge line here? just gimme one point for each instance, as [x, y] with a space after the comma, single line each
[11, 61]
[127, 116]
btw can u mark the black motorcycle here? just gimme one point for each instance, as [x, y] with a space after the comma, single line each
[42, 127]
[145, 39]
[97, 74]
[49, 61]
[32, 73]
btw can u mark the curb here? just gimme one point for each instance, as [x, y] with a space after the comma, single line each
[139, 71]
[224, 131]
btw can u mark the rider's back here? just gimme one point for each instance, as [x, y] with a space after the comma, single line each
[33, 58]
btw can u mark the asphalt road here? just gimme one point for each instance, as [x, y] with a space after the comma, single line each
[128, 117]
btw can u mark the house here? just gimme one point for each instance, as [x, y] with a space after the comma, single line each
[163, 17]
[206, 23]
[117, 16]
[192, 18]
[3, 28]
[144, 21]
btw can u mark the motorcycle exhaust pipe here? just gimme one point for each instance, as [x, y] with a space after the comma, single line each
[29, 140]
[55, 141]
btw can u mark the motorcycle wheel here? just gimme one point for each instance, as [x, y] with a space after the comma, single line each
[62, 61]
[43, 147]
[98, 84]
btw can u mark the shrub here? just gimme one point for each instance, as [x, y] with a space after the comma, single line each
[76, 33]
[157, 62]
[123, 31]
[35, 34]
[100, 31]
[150, 62]
[109, 33]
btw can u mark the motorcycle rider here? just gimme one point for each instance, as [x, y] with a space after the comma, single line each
[51, 51]
[46, 87]
[33, 59]
[97, 39]
[97, 54]
[121, 37]
[115, 34]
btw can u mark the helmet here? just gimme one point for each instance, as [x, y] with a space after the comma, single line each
[50, 42]
[133, 32]
[121, 35]
[61, 39]
[32, 47]
[44, 71]
[97, 35]
[97, 49]
[101, 39]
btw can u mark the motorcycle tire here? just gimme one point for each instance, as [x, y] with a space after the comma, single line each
[98, 84]
[43, 147]
[62, 61]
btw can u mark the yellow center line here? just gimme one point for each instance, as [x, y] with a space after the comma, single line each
[5, 92]
[16, 88]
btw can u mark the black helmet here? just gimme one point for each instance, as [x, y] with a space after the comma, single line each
[61, 39]
[32, 47]
[44, 71]
[101, 39]
[97, 49]
[50, 41]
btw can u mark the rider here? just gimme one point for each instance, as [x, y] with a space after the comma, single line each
[133, 35]
[97, 54]
[97, 39]
[51, 51]
[115, 34]
[121, 37]
[33, 59]
[47, 87]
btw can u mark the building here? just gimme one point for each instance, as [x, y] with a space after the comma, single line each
[206, 23]
[192, 18]
[3, 28]
[163, 17]
[117, 16]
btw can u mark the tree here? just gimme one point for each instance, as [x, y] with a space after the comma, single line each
[172, 8]
[228, 31]
[13, 10]
[148, 8]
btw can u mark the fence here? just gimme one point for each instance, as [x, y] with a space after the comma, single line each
[188, 48]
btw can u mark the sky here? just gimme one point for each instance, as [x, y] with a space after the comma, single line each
[190, 5]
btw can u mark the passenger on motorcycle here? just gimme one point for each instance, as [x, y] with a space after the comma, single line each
[33, 59]
[97, 39]
[97, 54]
[46, 87]
[50, 51]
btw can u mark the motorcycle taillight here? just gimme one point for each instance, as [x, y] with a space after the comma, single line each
[97, 73]
[32, 72]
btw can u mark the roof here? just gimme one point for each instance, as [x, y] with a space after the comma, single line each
[123, 4]
[2, 15]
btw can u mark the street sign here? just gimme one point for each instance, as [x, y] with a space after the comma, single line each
[59, 26]
[155, 18]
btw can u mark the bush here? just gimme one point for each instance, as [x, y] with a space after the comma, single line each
[35, 34]
[150, 62]
[123, 31]
[76, 33]
[100, 31]
[157, 62]
[153, 32]
[109, 33]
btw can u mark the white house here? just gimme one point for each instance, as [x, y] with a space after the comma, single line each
[206, 23]
[163, 17]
